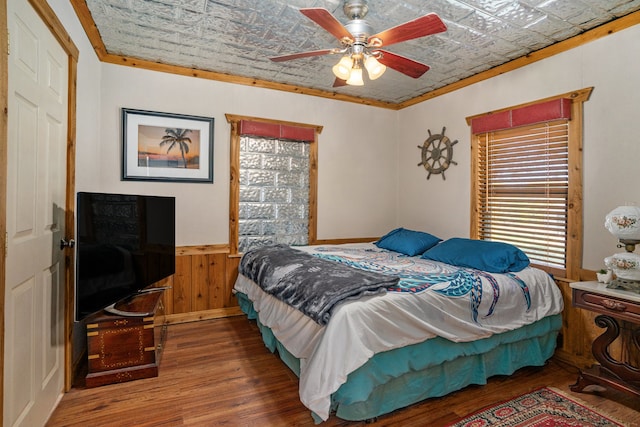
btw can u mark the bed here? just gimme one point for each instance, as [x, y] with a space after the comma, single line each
[434, 329]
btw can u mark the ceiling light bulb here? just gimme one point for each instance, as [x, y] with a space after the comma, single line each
[355, 79]
[374, 68]
[342, 69]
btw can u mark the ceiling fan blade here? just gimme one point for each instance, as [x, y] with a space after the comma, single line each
[301, 55]
[339, 82]
[403, 64]
[326, 20]
[420, 27]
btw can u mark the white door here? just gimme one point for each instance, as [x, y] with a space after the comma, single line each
[36, 192]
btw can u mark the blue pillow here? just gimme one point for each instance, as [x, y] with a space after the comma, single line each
[494, 257]
[407, 242]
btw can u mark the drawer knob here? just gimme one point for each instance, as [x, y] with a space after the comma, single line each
[613, 305]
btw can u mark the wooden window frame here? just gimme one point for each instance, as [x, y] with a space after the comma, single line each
[270, 128]
[504, 118]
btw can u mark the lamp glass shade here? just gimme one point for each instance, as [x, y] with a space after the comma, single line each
[624, 222]
[342, 69]
[374, 67]
[625, 265]
[355, 78]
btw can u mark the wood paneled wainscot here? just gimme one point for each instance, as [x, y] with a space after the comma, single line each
[202, 286]
[574, 342]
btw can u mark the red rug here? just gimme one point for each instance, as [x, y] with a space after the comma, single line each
[546, 407]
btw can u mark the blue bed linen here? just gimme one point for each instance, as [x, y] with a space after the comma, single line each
[494, 257]
[408, 242]
[401, 377]
[405, 382]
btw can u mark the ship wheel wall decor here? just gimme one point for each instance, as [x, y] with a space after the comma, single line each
[437, 153]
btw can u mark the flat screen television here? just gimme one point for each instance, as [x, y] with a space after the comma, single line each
[125, 244]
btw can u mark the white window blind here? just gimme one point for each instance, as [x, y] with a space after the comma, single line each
[522, 192]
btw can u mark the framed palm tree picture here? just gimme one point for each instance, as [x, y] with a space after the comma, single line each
[166, 147]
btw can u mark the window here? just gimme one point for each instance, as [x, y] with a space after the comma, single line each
[523, 183]
[527, 181]
[274, 192]
[273, 183]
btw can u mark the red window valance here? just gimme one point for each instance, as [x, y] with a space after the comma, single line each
[536, 113]
[275, 130]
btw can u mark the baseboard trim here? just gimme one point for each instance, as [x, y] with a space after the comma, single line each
[196, 316]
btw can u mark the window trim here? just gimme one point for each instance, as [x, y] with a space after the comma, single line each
[574, 203]
[289, 129]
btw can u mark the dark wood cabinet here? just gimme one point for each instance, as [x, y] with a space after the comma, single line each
[126, 346]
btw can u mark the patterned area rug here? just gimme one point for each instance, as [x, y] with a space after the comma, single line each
[546, 407]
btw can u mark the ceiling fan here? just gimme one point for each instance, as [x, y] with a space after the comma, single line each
[362, 49]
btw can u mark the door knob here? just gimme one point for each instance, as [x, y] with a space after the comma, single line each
[67, 243]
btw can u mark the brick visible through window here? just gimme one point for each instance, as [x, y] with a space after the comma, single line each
[274, 192]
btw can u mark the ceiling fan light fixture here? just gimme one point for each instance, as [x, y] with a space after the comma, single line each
[374, 67]
[342, 69]
[355, 78]
[361, 49]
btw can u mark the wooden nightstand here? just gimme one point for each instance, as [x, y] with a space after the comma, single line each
[613, 305]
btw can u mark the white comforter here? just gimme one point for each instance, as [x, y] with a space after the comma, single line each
[361, 328]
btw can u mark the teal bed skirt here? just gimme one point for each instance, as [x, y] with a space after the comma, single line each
[398, 378]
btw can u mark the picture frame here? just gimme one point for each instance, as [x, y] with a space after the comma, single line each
[168, 147]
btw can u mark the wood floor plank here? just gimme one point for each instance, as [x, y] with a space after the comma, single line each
[219, 373]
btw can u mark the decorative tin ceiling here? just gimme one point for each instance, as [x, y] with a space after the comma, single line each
[237, 37]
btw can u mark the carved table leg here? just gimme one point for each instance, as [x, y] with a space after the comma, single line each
[581, 383]
[610, 372]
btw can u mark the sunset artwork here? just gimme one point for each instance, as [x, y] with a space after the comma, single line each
[158, 146]
[163, 147]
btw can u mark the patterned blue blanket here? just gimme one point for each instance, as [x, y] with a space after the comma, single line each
[310, 284]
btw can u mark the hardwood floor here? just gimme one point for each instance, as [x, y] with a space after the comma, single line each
[219, 373]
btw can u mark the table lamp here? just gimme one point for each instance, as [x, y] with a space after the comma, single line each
[624, 223]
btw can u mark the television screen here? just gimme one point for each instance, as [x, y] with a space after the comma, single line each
[125, 243]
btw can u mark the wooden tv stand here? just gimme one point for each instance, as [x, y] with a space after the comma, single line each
[126, 346]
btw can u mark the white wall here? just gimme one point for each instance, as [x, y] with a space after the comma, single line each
[369, 180]
[611, 146]
[357, 151]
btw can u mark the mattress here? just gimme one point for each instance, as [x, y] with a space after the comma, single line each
[427, 304]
